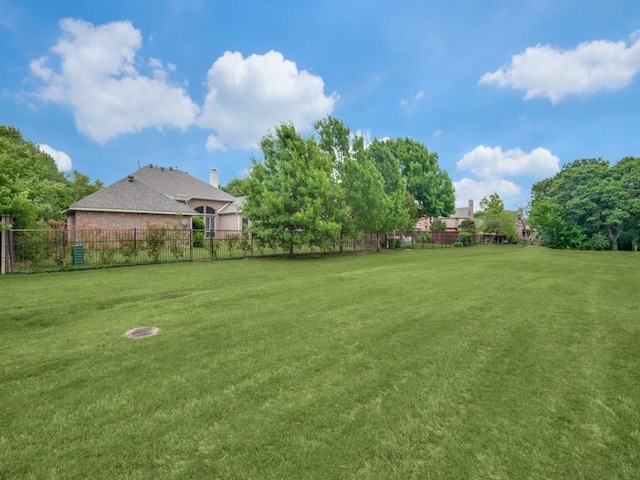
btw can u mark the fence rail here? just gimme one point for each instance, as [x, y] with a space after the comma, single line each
[51, 250]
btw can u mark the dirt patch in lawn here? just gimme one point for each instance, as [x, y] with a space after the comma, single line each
[141, 332]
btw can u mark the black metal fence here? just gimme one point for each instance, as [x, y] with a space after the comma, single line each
[50, 250]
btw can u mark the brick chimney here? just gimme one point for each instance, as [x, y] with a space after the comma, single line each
[471, 209]
[213, 177]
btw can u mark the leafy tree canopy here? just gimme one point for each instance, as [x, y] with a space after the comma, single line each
[588, 198]
[32, 189]
[429, 185]
[291, 193]
[333, 185]
[238, 187]
[495, 219]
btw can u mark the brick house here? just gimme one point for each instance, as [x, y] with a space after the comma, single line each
[452, 222]
[158, 196]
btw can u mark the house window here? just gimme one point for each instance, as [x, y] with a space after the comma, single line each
[209, 226]
[245, 224]
[208, 216]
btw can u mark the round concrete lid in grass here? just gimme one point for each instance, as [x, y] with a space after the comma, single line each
[141, 332]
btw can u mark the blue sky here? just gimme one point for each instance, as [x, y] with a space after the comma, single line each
[505, 92]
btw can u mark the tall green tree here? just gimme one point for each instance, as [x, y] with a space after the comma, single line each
[495, 219]
[334, 138]
[395, 185]
[366, 204]
[592, 198]
[428, 184]
[628, 172]
[32, 189]
[548, 219]
[334, 143]
[79, 186]
[236, 187]
[292, 195]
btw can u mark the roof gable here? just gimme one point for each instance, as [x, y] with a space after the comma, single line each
[234, 207]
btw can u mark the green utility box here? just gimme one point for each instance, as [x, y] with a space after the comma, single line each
[77, 253]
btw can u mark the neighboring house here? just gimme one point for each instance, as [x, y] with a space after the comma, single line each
[452, 222]
[158, 196]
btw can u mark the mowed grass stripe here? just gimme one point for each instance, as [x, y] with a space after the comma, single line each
[487, 362]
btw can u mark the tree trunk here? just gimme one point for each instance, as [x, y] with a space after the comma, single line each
[613, 236]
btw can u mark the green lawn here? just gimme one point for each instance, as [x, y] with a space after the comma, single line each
[488, 362]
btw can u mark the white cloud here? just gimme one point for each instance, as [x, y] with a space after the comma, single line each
[157, 69]
[490, 166]
[250, 96]
[493, 162]
[470, 189]
[548, 71]
[97, 77]
[63, 161]
[409, 103]
[214, 143]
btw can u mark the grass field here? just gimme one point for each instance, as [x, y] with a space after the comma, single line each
[487, 362]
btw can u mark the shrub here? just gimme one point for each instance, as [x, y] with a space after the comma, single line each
[156, 237]
[599, 241]
[175, 244]
[466, 238]
[198, 238]
[438, 226]
[393, 243]
[107, 254]
[245, 243]
[41, 247]
[213, 247]
[197, 223]
[467, 226]
[232, 242]
[129, 247]
[458, 244]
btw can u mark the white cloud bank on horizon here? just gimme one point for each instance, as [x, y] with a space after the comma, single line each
[470, 189]
[247, 97]
[97, 77]
[63, 161]
[554, 73]
[491, 164]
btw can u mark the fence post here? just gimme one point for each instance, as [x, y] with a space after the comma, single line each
[5, 225]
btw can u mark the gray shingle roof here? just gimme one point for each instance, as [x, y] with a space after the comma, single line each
[130, 196]
[462, 212]
[234, 207]
[155, 190]
[179, 185]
